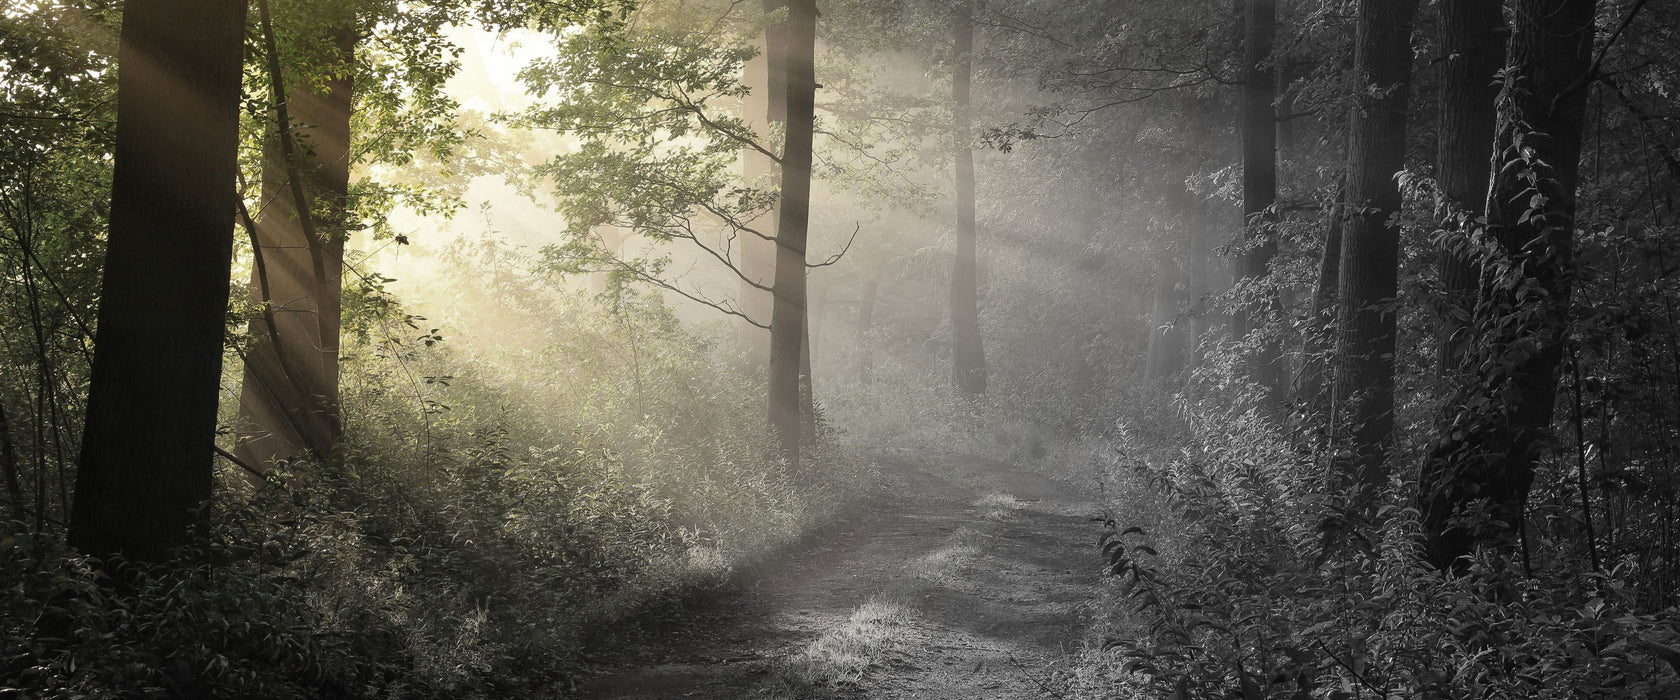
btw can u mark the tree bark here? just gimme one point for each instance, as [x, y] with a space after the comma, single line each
[1362, 395]
[1259, 186]
[1322, 330]
[968, 356]
[1498, 423]
[151, 413]
[8, 464]
[765, 107]
[1472, 52]
[289, 397]
[787, 324]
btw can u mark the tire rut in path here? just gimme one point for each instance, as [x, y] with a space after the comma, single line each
[968, 578]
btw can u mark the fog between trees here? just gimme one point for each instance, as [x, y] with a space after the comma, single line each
[1355, 318]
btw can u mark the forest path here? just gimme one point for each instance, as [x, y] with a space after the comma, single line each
[968, 578]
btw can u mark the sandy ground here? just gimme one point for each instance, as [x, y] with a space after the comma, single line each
[968, 579]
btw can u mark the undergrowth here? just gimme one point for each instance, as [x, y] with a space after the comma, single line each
[542, 465]
[1228, 578]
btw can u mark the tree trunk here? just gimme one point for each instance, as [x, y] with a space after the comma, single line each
[807, 347]
[1362, 394]
[1499, 422]
[787, 324]
[1259, 186]
[1472, 52]
[288, 402]
[1166, 340]
[8, 465]
[765, 107]
[1201, 238]
[1199, 278]
[151, 412]
[1313, 390]
[968, 356]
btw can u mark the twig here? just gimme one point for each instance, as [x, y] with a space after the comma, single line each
[1035, 679]
[239, 462]
[1362, 680]
[836, 257]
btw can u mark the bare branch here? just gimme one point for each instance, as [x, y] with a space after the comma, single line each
[614, 262]
[837, 256]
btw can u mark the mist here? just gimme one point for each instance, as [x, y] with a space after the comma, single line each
[838, 349]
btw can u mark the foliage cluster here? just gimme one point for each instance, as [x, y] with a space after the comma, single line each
[494, 508]
[561, 462]
[1228, 580]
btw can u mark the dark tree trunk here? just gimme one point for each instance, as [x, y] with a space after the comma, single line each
[1259, 186]
[289, 398]
[1499, 422]
[787, 324]
[1472, 52]
[1362, 395]
[8, 465]
[765, 107]
[968, 356]
[151, 412]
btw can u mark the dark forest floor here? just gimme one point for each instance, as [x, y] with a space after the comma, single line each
[968, 578]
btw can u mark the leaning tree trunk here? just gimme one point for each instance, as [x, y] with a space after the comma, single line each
[288, 402]
[968, 356]
[1362, 394]
[1259, 188]
[1497, 424]
[1472, 52]
[151, 412]
[787, 323]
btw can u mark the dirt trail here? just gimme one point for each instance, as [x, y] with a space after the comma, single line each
[968, 579]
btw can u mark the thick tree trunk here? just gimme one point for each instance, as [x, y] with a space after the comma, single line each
[765, 107]
[151, 412]
[1362, 395]
[1259, 186]
[968, 356]
[1472, 52]
[787, 324]
[1499, 423]
[289, 405]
